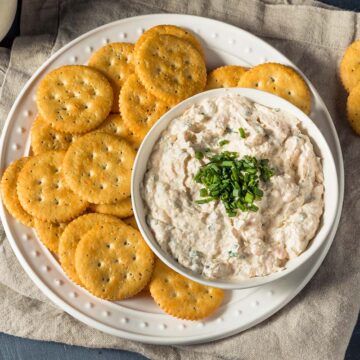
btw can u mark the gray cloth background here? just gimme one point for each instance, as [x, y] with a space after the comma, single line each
[318, 323]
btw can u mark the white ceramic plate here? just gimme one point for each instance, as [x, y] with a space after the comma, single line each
[321, 148]
[140, 319]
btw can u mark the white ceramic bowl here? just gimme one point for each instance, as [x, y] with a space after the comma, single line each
[320, 145]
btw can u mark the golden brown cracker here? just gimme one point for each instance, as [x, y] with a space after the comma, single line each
[177, 31]
[9, 193]
[350, 66]
[353, 109]
[121, 209]
[46, 138]
[74, 98]
[113, 261]
[280, 80]
[71, 236]
[115, 125]
[43, 192]
[98, 167]
[131, 221]
[225, 77]
[170, 68]
[115, 61]
[181, 297]
[49, 233]
[139, 108]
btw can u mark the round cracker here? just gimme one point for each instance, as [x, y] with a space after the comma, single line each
[170, 30]
[115, 125]
[71, 236]
[113, 261]
[181, 297]
[46, 138]
[131, 221]
[170, 68]
[280, 80]
[49, 233]
[115, 61]
[353, 109]
[98, 167]
[43, 192]
[74, 98]
[139, 108]
[350, 66]
[121, 209]
[225, 77]
[9, 194]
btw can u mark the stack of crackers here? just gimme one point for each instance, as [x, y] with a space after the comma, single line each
[75, 187]
[350, 78]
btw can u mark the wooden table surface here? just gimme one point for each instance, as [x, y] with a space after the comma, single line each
[12, 347]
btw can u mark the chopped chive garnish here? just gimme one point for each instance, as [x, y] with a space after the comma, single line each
[204, 192]
[235, 182]
[199, 155]
[249, 198]
[232, 253]
[223, 142]
[242, 133]
[204, 201]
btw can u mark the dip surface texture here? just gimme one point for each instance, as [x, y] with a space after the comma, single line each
[202, 237]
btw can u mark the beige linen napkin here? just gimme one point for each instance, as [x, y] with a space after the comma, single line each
[318, 323]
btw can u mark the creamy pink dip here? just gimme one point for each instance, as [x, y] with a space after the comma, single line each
[204, 238]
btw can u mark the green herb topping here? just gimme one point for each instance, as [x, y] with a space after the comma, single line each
[242, 133]
[223, 142]
[233, 181]
[233, 253]
[199, 155]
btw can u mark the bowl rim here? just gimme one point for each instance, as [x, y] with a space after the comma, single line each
[154, 134]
